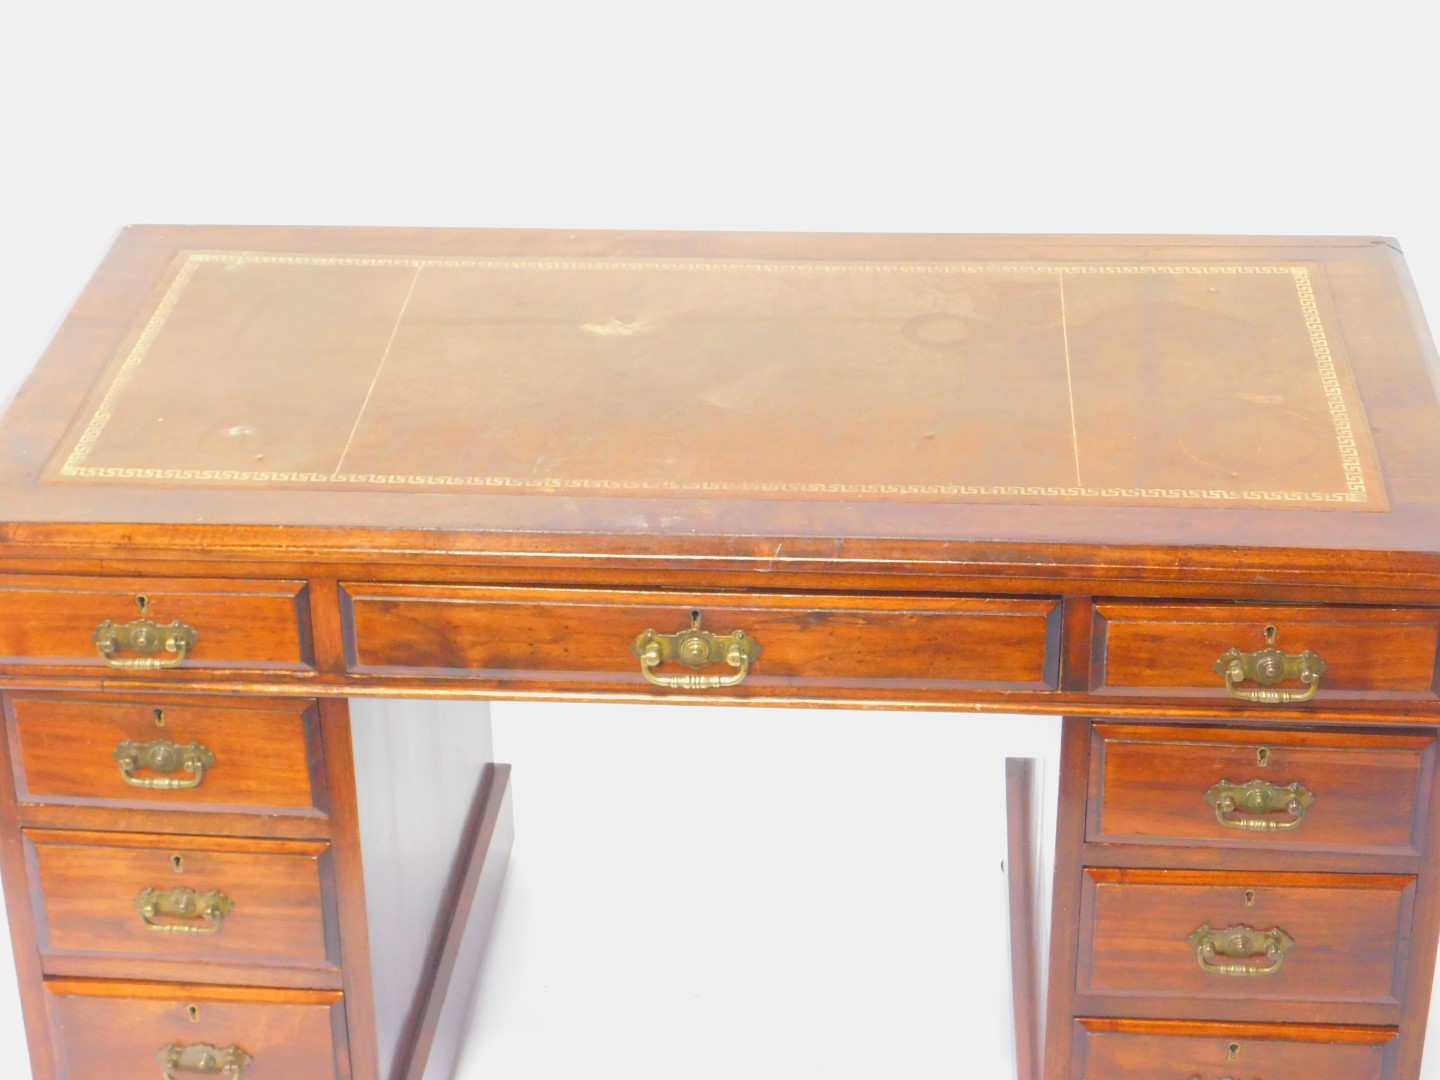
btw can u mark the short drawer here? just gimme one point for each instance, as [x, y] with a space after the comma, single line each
[1376, 652]
[1161, 1050]
[245, 755]
[807, 645]
[1322, 790]
[1313, 937]
[180, 900]
[140, 1031]
[236, 623]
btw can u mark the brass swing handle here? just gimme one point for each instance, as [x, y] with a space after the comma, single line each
[163, 756]
[695, 648]
[1218, 950]
[202, 1058]
[1262, 799]
[203, 912]
[147, 637]
[1267, 667]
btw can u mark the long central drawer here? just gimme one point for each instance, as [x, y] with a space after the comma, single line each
[802, 644]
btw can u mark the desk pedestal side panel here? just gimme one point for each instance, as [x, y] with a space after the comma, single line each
[418, 768]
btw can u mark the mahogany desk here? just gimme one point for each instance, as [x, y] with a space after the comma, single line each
[1184, 491]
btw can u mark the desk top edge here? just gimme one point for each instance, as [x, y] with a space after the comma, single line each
[50, 517]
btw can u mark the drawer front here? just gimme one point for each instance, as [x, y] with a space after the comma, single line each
[255, 755]
[808, 644]
[1379, 652]
[1321, 791]
[1345, 933]
[120, 1031]
[238, 624]
[251, 902]
[1136, 1050]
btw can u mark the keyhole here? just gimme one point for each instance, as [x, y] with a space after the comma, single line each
[142, 602]
[178, 862]
[1270, 632]
[1250, 897]
[1234, 1052]
[193, 1012]
[1263, 756]
[159, 717]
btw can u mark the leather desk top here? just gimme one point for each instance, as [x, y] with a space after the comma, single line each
[748, 396]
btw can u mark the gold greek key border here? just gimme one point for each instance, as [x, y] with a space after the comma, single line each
[104, 410]
[1356, 487]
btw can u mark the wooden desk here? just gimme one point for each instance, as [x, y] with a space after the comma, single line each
[268, 482]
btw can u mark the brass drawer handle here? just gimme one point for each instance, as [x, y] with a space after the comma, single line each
[163, 756]
[1268, 667]
[1240, 943]
[695, 648]
[202, 1058]
[1262, 799]
[205, 911]
[147, 637]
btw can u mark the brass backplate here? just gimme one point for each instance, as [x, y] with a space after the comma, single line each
[203, 1058]
[694, 647]
[163, 756]
[145, 636]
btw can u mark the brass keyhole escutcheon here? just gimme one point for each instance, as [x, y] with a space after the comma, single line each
[178, 862]
[159, 715]
[1262, 756]
[1250, 895]
[193, 1012]
[1234, 1052]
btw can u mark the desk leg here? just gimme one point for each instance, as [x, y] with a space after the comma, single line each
[20, 911]
[1065, 905]
[423, 831]
[1025, 933]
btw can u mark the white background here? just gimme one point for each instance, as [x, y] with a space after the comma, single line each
[1223, 117]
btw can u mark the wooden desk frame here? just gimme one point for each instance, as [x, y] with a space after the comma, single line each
[318, 610]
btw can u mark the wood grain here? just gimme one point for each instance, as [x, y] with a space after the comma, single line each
[1150, 785]
[1068, 895]
[1135, 1051]
[264, 753]
[85, 885]
[810, 641]
[889, 528]
[1349, 931]
[1025, 931]
[1389, 650]
[21, 918]
[256, 625]
[112, 1031]
[1359, 286]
